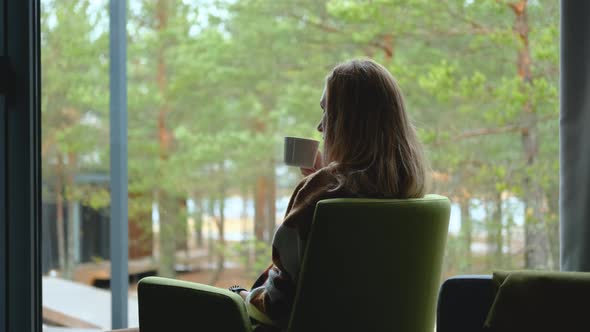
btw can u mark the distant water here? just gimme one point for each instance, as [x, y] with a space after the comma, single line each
[234, 209]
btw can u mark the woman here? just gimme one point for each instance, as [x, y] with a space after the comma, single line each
[370, 150]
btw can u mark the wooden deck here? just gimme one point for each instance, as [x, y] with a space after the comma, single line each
[99, 274]
[56, 318]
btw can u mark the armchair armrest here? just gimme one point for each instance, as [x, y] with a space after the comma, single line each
[174, 305]
[464, 302]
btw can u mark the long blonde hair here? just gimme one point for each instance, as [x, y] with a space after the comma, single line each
[369, 142]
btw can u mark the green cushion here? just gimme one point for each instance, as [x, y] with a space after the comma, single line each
[174, 305]
[539, 301]
[372, 265]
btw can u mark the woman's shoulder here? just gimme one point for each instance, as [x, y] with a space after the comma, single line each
[319, 185]
[322, 184]
[321, 179]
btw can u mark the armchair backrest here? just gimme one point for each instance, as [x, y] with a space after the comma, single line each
[372, 265]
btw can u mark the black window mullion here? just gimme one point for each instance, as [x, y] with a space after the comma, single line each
[3, 214]
[21, 134]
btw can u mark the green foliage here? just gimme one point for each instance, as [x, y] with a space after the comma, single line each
[239, 75]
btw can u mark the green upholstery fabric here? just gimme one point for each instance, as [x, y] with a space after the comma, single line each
[539, 301]
[174, 305]
[372, 265]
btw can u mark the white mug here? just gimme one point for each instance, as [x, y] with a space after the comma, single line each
[300, 152]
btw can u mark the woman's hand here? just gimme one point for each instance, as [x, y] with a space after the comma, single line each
[317, 164]
[244, 294]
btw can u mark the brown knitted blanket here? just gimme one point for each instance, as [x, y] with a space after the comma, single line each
[270, 301]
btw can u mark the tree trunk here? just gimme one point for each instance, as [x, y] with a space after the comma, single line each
[494, 233]
[59, 214]
[271, 204]
[466, 235]
[221, 231]
[509, 261]
[536, 242]
[260, 211]
[166, 199]
[71, 254]
[198, 215]
[387, 47]
[167, 204]
[552, 222]
[182, 232]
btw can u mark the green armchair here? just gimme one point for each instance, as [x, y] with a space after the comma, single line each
[370, 265]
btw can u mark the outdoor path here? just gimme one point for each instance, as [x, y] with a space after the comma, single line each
[81, 306]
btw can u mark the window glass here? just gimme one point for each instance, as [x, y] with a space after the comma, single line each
[214, 86]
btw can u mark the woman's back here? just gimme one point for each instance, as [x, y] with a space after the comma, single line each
[370, 150]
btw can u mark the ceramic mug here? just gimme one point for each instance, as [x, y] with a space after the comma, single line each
[300, 152]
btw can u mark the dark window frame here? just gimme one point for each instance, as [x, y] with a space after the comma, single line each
[20, 169]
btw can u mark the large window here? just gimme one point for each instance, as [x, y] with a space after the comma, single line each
[213, 86]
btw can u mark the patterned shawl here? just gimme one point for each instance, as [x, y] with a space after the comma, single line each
[270, 301]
